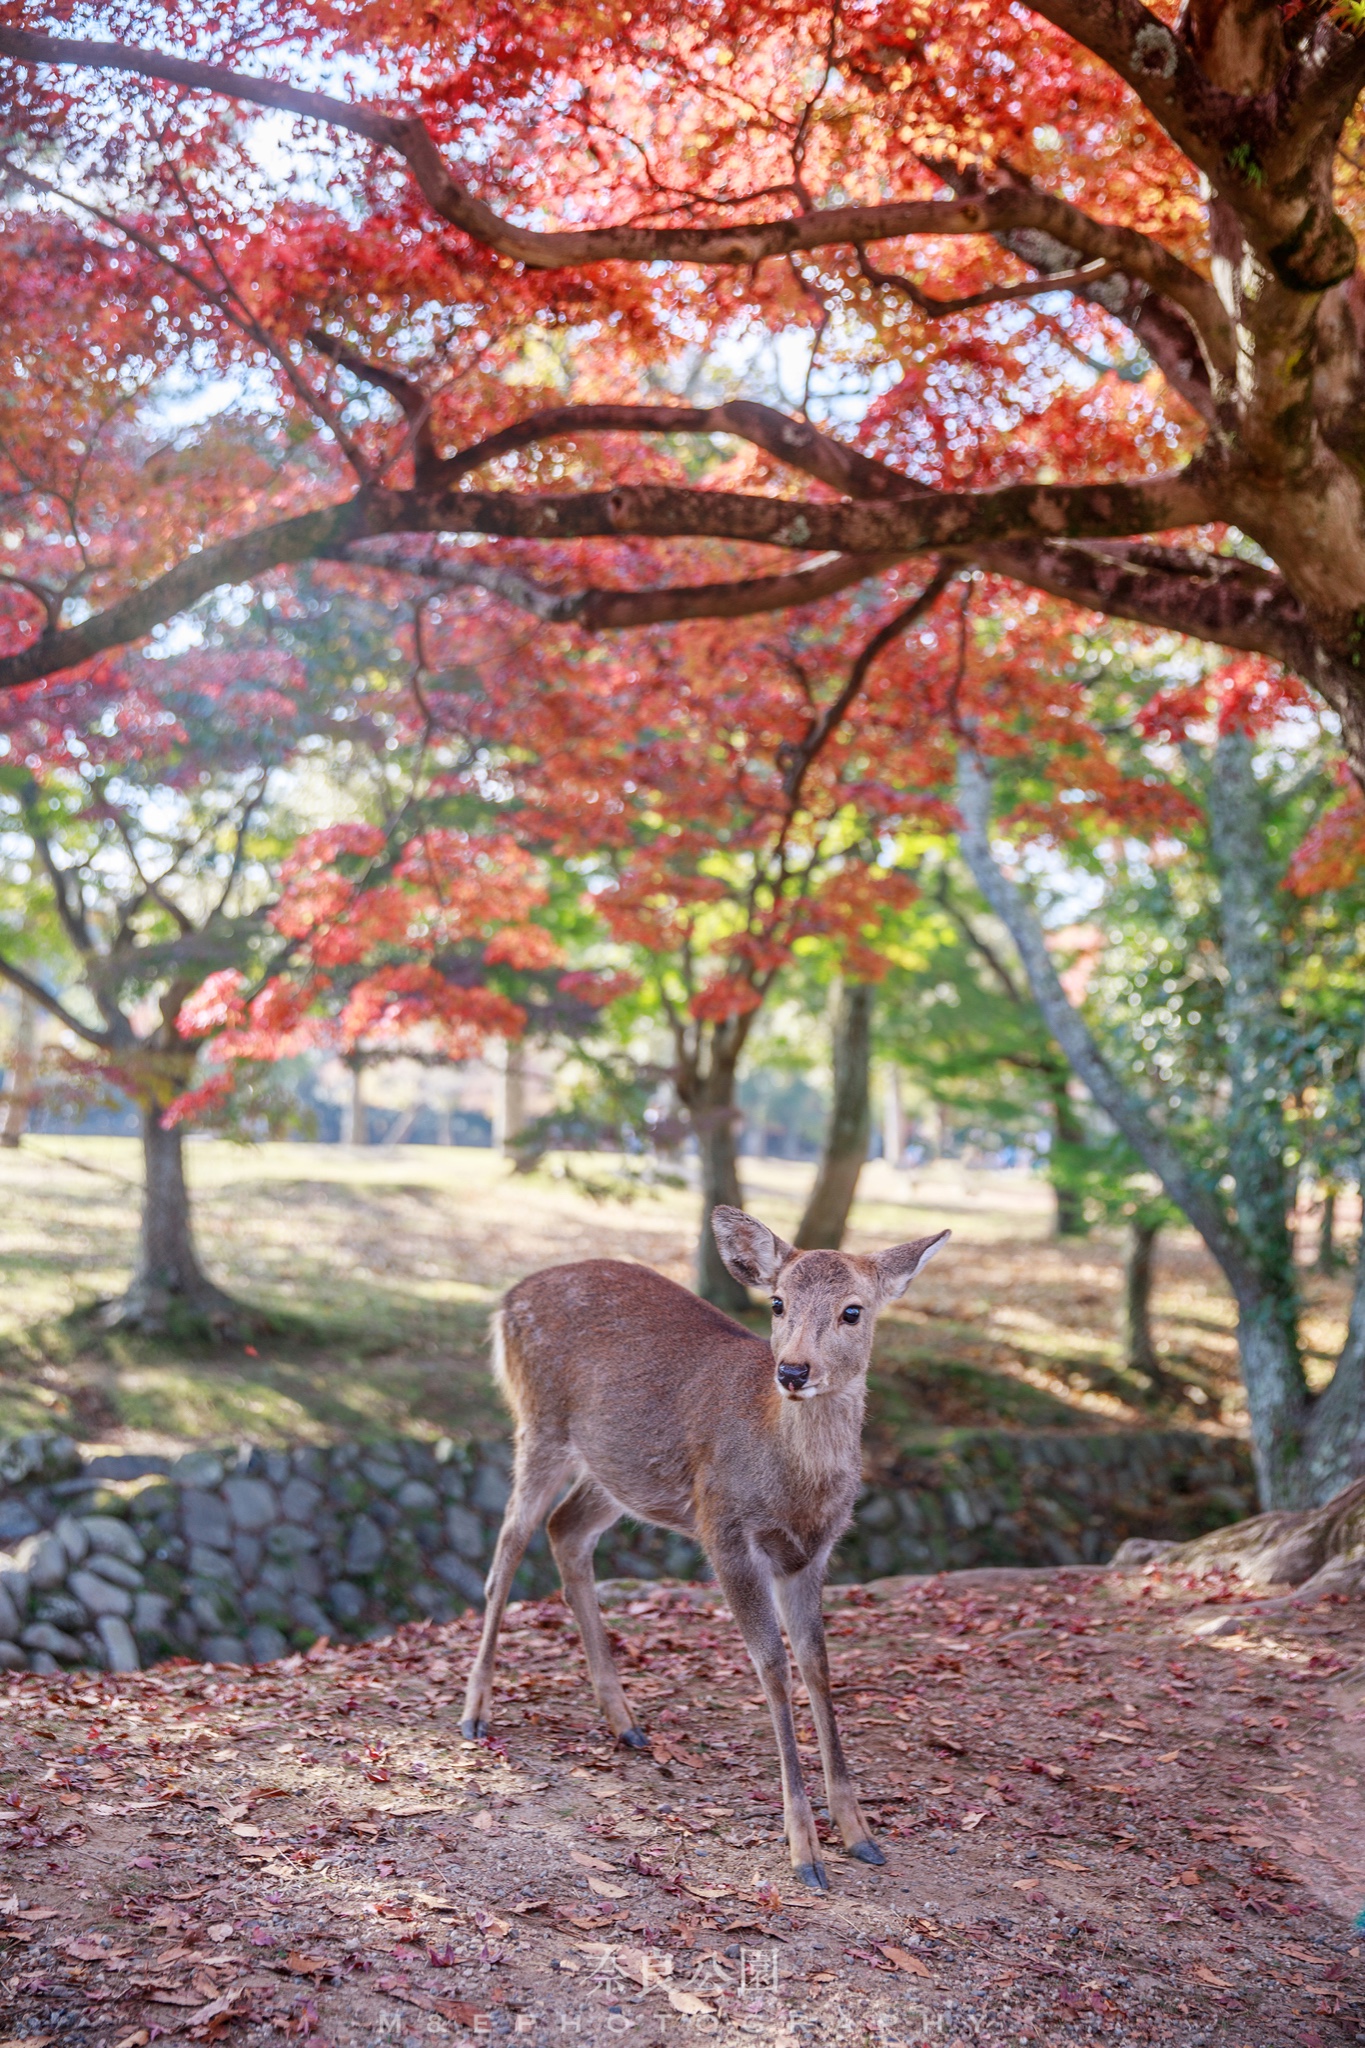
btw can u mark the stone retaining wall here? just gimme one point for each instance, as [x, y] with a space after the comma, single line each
[244, 1555]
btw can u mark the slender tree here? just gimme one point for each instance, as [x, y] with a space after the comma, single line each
[1218, 1112]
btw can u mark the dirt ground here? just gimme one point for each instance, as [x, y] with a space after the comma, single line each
[1116, 1808]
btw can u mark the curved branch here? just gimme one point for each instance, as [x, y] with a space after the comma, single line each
[26, 985]
[932, 521]
[742, 244]
[596, 609]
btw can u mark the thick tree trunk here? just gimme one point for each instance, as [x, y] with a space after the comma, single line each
[850, 1123]
[1139, 1345]
[18, 1104]
[1068, 1135]
[170, 1290]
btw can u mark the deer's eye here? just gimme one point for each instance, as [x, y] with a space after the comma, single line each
[850, 1315]
[777, 1304]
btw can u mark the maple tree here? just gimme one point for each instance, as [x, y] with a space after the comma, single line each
[730, 797]
[1076, 286]
[165, 905]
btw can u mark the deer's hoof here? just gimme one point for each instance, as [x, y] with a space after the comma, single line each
[473, 1731]
[633, 1738]
[866, 1852]
[813, 1875]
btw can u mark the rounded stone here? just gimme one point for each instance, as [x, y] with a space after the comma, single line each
[151, 1613]
[265, 1644]
[364, 1546]
[12, 1657]
[385, 1474]
[113, 1537]
[417, 1497]
[114, 1569]
[465, 1531]
[73, 1537]
[492, 1490]
[205, 1518]
[62, 1609]
[346, 1601]
[98, 1596]
[45, 1561]
[10, 1618]
[117, 1640]
[251, 1504]
[300, 1500]
[305, 1613]
[224, 1650]
[18, 1585]
[52, 1641]
[17, 1520]
[212, 1564]
[198, 1468]
[458, 1574]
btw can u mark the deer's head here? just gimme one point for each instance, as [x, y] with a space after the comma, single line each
[824, 1304]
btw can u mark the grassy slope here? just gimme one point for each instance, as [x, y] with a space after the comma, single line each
[381, 1267]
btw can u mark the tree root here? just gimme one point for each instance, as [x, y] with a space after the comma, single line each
[1314, 1550]
[153, 1308]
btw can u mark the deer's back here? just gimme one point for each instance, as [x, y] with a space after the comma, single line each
[638, 1374]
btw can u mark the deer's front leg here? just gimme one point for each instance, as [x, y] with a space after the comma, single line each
[748, 1587]
[799, 1599]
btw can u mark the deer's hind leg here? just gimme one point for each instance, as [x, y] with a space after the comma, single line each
[542, 1465]
[574, 1527]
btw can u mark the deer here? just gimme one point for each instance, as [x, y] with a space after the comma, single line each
[640, 1398]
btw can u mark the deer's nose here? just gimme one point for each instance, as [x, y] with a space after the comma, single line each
[792, 1377]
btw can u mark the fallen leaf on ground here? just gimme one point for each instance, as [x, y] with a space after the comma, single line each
[708, 1891]
[687, 2002]
[903, 1960]
[1202, 1974]
[608, 1891]
[586, 1862]
[973, 1820]
[484, 1822]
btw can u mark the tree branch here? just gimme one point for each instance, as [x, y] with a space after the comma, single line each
[727, 245]
[26, 985]
[929, 522]
[596, 609]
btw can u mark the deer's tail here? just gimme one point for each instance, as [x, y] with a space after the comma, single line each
[497, 1341]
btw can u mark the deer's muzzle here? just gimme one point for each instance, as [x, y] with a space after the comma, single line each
[791, 1378]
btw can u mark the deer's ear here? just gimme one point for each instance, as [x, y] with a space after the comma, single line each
[898, 1267]
[752, 1252]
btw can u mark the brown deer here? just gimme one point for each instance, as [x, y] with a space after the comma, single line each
[644, 1400]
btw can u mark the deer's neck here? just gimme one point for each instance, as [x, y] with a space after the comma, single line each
[822, 1438]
